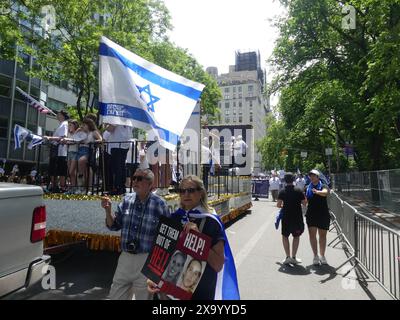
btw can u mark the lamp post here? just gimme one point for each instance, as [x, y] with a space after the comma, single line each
[328, 153]
[303, 155]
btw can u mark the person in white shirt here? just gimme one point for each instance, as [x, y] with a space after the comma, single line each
[119, 145]
[33, 175]
[15, 170]
[274, 184]
[132, 162]
[205, 160]
[58, 153]
[72, 145]
[301, 182]
[106, 170]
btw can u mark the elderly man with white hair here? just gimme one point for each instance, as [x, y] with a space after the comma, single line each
[137, 217]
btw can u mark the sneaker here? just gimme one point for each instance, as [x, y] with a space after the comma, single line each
[316, 261]
[323, 260]
[295, 260]
[288, 260]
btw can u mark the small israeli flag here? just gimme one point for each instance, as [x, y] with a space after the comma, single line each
[138, 93]
[22, 134]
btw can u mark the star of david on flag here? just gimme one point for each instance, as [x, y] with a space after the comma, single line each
[151, 98]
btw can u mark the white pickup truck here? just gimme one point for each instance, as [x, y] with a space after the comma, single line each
[22, 230]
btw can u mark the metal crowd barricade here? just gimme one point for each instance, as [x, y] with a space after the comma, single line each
[260, 188]
[382, 188]
[375, 247]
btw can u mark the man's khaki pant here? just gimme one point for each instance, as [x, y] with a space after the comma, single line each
[128, 280]
[274, 194]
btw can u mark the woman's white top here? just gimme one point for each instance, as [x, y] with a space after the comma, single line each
[62, 132]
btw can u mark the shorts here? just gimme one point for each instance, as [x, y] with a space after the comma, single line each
[320, 221]
[72, 156]
[83, 152]
[296, 230]
[58, 167]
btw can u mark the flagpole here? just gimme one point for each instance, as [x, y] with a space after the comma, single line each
[38, 165]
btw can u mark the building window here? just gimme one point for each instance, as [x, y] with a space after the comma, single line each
[240, 104]
[240, 89]
[234, 96]
[234, 112]
[251, 116]
[234, 119]
[227, 113]
[240, 119]
[240, 96]
[5, 86]
[226, 97]
[226, 105]
[227, 90]
[55, 105]
[251, 88]
[3, 127]
[227, 120]
[251, 104]
[234, 89]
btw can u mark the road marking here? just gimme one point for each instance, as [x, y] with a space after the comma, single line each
[250, 245]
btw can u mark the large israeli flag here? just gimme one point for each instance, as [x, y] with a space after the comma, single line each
[138, 93]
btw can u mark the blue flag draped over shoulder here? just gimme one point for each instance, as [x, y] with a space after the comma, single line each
[140, 94]
[227, 287]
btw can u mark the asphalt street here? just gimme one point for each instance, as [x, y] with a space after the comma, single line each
[258, 251]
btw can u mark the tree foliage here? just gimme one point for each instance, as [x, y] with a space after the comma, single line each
[340, 85]
[70, 51]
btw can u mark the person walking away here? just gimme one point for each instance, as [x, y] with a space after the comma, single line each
[290, 200]
[274, 184]
[137, 217]
[317, 216]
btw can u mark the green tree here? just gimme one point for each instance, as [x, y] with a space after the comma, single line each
[340, 85]
[70, 51]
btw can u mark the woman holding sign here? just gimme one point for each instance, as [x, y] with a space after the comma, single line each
[195, 214]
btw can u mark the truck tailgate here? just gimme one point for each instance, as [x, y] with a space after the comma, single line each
[17, 203]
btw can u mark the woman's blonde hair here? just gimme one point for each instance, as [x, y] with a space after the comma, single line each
[199, 185]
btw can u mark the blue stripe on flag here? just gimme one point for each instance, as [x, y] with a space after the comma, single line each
[17, 142]
[137, 114]
[176, 87]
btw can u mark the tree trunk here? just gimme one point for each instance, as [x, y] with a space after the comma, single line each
[376, 151]
[78, 104]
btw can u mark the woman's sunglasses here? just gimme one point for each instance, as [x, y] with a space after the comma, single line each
[188, 190]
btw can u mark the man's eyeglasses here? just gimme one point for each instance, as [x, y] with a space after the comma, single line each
[189, 190]
[138, 178]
